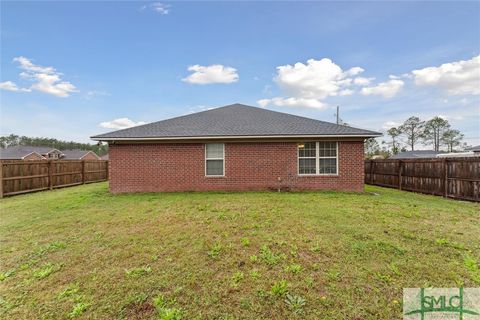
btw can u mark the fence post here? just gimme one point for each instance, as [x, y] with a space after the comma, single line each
[83, 171]
[107, 169]
[445, 177]
[1, 179]
[372, 163]
[400, 172]
[50, 174]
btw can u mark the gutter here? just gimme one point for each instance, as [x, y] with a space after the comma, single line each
[99, 138]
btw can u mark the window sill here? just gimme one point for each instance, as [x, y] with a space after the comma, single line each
[319, 175]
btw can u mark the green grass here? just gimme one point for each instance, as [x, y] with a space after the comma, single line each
[83, 253]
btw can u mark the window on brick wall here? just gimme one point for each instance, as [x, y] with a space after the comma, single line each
[318, 158]
[214, 159]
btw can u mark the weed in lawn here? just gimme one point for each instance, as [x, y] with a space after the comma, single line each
[215, 250]
[254, 258]
[138, 272]
[46, 270]
[451, 244]
[383, 277]
[269, 257]
[245, 242]
[71, 290]
[255, 274]
[164, 311]
[236, 278]
[295, 303]
[293, 268]
[6, 274]
[279, 288]
[309, 282]
[78, 309]
[472, 266]
[154, 258]
[333, 274]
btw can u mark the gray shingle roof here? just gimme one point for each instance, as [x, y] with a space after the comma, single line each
[235, 120]
[74, 154]
[416, 154]
[474, 148]
[18, 152]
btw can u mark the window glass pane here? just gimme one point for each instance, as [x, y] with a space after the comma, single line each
[328, 166]
[327, 149]
[214, 167]
[307, 149]
[306, 166]
[214, 150]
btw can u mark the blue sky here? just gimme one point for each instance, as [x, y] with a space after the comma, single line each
[70, 69]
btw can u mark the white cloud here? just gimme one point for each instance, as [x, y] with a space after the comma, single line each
[120, 123]
[390, 124]
[10, 86]
[293, 103]
[160, 8]
[45, 79]
[216, 73]
[317, 79]
[456, 78]
[361, 81]
[386, 89]
[157, 7]
[94, 93]
[308, 85]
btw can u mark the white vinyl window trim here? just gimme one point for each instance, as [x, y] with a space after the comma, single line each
[317, 160]
[207, 158]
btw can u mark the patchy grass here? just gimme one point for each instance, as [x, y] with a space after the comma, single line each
[83, 253]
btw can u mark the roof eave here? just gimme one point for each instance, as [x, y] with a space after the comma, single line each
[362, 135]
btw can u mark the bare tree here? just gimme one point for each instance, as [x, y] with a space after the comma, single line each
[452, 138]
[433, 131]
[413, 129]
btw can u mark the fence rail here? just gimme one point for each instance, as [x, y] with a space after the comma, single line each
[457, 178]
[17, 177]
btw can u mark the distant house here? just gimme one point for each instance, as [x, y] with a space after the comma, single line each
[236, 147]
[44, 153]
[475, 149]
[79, 155]
[417, 154]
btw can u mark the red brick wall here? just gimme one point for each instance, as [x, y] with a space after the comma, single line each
[248, 166]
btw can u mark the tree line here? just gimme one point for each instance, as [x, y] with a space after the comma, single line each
[436, 132]
[15, 140]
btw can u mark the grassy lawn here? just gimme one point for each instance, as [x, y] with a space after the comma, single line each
[81, 252]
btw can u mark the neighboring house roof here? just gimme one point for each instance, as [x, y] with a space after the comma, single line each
[16, 153]
[416, 154]
[474, 148]
[235, 121]
[76, 154]
[19, 152]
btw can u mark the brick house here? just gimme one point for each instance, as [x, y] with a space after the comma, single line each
[236, 147]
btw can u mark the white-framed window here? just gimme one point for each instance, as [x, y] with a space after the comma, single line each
[318, 158]
[215, 159]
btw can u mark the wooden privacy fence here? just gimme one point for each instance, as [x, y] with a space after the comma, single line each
[18, 177]
[457, 178]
